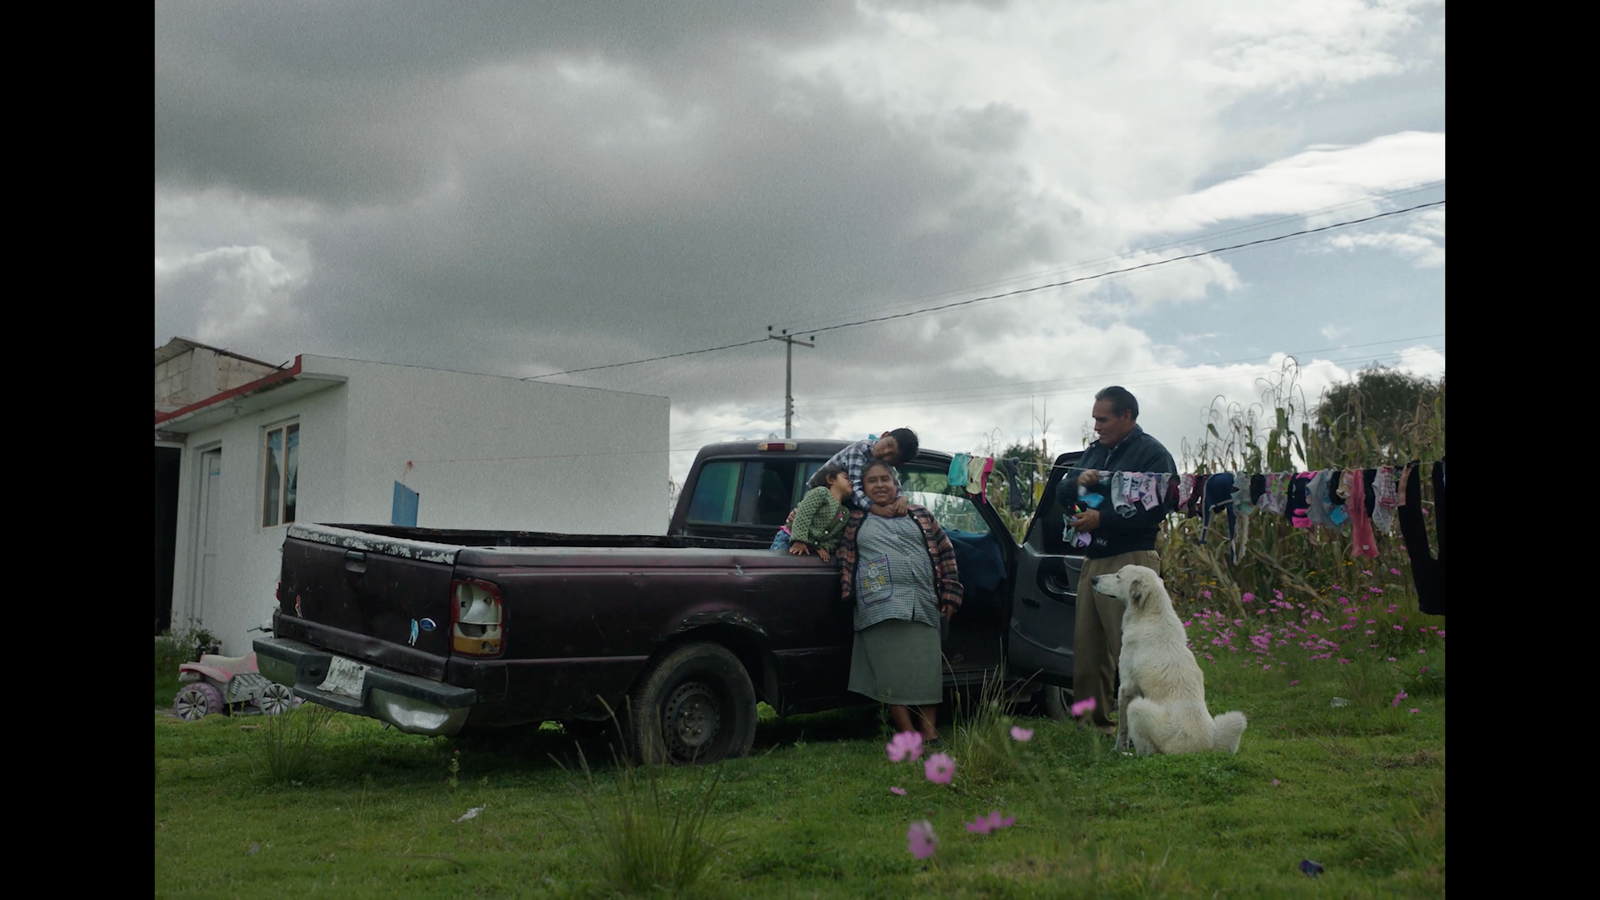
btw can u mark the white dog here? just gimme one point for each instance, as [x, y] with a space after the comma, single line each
[1163, 694]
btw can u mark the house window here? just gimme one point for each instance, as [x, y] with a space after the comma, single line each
[283, 467]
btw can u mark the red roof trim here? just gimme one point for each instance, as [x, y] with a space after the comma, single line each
[260, 383]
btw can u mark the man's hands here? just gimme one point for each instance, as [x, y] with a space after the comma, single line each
[1089, 478]
[1088, 520]
[898, 508]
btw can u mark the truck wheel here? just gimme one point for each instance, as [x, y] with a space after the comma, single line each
[694, 705]
[1057, 702]
[198, 700]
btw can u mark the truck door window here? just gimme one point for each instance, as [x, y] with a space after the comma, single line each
[715, 493]
[951, 507]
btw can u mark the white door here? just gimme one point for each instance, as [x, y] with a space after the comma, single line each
[206, 537]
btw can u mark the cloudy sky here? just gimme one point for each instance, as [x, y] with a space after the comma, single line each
[524, 189]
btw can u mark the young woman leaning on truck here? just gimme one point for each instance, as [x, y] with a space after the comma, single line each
[901, 574]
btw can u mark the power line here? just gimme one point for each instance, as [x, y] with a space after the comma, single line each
[650, 359]
[1007, 294]
[1123, 271]
[1189, 241]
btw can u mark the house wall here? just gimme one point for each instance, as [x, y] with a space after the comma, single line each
[248, 553]
[501, 453]
[484, 452]
[200, 373]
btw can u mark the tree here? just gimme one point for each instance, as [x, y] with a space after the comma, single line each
[1382, 409]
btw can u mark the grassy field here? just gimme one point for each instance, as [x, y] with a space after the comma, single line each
[1358, 788]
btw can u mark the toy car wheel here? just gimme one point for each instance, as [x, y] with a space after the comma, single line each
[198, 700]
[276, 698]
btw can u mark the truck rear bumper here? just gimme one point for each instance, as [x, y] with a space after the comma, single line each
[412, 704]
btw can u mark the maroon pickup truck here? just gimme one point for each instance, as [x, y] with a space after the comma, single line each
[439, 631]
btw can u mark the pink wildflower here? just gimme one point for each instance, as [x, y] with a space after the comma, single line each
[1274, 782]
[1398, 697]
[906, 745]
[939, 768]
[1413, 710]
[898, 790]
[920, 839]
[1422, 650]
[1248, 597]
[1206, 594]
[992, 822]
[1394, 571]
[1085, 706]
[1294, 682]
[1018, 733]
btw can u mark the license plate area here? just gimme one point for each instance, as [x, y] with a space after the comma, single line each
[345, 678]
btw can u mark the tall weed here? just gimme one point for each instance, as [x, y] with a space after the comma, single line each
[639, 837]
[287, 743]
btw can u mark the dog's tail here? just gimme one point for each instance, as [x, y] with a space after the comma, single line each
[1226, 731]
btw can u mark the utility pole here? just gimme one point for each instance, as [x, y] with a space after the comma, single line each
[788, 377]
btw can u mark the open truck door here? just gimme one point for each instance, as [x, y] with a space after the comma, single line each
[1044, 604]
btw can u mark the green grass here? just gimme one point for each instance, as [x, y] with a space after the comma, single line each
[1359, 789]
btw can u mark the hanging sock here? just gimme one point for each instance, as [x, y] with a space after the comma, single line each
[1185, 489]
[1384, 509]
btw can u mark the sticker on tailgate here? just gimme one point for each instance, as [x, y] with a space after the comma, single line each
[344, 677]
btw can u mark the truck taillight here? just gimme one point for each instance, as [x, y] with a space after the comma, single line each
[776, 445]
[477, 618]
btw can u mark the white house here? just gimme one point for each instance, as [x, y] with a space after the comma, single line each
[343, 441]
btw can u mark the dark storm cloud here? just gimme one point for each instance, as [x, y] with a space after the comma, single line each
[680, 190]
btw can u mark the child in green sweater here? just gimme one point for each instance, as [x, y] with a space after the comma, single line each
[820, 518]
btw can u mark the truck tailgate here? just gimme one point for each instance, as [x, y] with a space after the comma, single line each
[380, 600]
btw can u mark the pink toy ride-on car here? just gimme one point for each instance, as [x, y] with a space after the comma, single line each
[225, 684]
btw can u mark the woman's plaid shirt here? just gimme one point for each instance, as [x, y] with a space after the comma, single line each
[947, 581]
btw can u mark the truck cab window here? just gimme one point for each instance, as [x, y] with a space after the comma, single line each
[715, 493]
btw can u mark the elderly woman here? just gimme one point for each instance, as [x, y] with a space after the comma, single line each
[901, 572]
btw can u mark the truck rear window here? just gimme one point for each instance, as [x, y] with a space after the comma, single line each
[746, 492]
[715, 493]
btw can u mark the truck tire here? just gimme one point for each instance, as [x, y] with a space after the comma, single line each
[1057, 701]
[694, 705]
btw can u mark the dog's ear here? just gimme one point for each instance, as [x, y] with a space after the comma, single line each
[1136, 591]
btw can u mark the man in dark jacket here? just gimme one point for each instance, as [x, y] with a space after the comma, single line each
[1118, 537]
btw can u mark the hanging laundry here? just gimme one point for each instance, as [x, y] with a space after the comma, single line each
[978, 476]
[1185, 489]
[1338, 489]
[1384, 508]
[957, 476]
[1362, 543]
[1276, 495]
[1153, 492]
[1196, 502]
[1240, 493]
[1427, 571]
[1296, 507]
[1218, 495]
